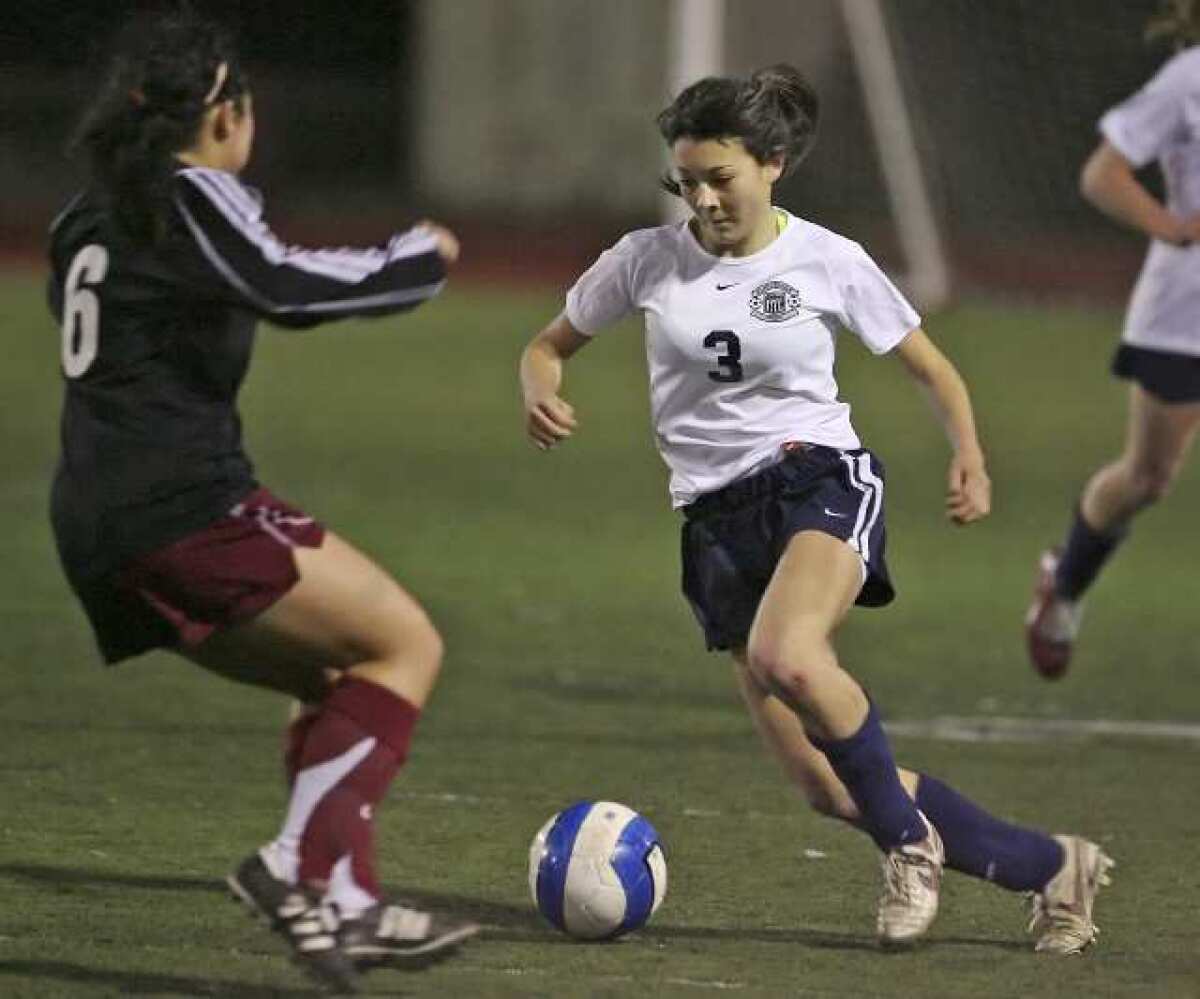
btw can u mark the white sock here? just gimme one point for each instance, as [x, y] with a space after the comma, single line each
[347, 894]
[282, 858]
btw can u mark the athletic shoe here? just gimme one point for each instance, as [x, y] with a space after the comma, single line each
[399, 937]
[912, 876]
[1052, 621]
[310, 928]
[1061, 916]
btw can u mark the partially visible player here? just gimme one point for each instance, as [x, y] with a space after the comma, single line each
[1160, 347]
[161, 270]
[783, 526]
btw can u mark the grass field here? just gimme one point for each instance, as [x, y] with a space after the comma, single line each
[574, 670]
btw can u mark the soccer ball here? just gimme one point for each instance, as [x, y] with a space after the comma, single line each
[597, 870]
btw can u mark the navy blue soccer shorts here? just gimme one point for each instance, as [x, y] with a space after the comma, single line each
[1170, 377]
[734, 537]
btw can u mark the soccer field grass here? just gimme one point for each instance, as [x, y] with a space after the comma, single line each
[574, 670]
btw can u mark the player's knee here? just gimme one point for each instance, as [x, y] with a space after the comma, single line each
[437, 651]
[792, 667]
[426, 648]
[1151, 482]
[764, 660]
[412, 645]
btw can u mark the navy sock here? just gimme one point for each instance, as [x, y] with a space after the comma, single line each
[1084, 556]
[983, 846]
[865, 765]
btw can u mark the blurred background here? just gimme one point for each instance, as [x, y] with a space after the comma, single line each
[530, 123]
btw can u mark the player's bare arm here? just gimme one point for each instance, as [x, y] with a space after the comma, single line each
[1108, 181]
[968, 488]
[549, 419]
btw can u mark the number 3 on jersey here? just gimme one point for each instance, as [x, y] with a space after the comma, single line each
[81, 310]
[729, 368]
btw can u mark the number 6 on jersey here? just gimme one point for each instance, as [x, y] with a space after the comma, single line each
[81, 310]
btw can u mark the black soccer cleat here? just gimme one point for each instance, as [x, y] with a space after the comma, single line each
[310, 928]
[396, 936]
[254, 884]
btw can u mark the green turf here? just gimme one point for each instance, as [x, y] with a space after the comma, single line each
[574, 670]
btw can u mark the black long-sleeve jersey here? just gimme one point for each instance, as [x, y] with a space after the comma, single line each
[155, 344]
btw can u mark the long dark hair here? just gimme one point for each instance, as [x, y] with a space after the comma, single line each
[165, 71]
[774, 113]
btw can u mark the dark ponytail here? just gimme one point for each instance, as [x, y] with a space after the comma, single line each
[774, 113]
[165, 72]
[1177, 21]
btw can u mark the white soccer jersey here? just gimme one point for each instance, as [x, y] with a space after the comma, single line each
[1162, 122]
[741, 349]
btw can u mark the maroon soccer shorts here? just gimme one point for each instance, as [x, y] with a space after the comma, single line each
[218, 577]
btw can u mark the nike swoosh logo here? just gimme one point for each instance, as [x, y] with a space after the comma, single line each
[725, 287]
[833, 513]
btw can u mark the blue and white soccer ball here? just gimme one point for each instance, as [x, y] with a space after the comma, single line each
[597, 870]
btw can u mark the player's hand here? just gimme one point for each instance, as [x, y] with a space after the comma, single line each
[1188, 231]
[968, 489]
[549, 421]
[447, 242]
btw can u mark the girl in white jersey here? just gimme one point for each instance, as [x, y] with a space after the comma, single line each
[783, 507]
[1160, 347]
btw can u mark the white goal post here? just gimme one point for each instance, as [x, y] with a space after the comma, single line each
[928, 277]
[696, 39]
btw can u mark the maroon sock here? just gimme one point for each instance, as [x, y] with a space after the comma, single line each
[351, 752]
[341, 824]
[293, 744]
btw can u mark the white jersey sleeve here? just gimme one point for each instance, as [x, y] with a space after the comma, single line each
[603, 294]
[1143, 126]
[872, 307]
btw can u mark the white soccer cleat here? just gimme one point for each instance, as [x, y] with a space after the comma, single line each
[912, 878]
[1060, 918]
[1052, 621]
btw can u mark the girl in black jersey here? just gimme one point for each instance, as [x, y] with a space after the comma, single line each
[160, 271]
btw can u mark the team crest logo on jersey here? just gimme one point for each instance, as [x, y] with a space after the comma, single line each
[774, 302]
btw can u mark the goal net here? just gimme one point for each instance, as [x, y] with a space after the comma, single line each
[1000, 101]
[952, 138]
